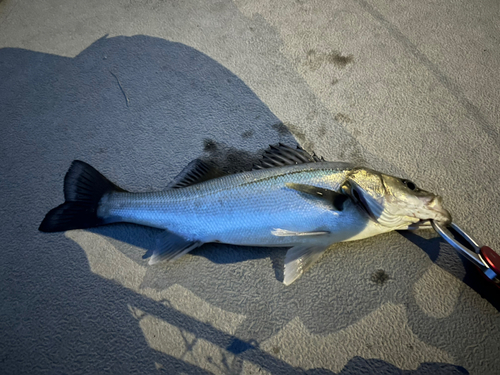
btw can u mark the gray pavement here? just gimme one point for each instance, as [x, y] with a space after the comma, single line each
[138, 89]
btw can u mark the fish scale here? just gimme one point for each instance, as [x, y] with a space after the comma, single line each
[239, 208]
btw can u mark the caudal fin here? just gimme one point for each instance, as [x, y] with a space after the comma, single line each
[84, 187]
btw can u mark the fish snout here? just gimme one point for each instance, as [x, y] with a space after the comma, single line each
[446, 218]
[443, 217]
[431, 201]
[437, 201]
[434, 209]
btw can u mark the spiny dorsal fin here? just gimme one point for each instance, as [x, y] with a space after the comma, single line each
[332, 197]
[195, 172]
[281, 155]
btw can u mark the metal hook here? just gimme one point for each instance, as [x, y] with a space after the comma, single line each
[473, 256]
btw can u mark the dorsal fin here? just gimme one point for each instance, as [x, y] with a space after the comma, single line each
[195, 172]
[281, 155]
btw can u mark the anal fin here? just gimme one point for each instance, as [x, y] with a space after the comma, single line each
[299, 259]
[170, 247]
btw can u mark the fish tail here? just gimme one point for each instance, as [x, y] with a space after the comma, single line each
[84, 187]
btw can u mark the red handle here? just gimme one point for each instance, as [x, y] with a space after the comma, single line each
[491, 258]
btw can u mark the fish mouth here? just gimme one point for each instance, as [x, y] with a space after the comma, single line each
[434, 212]
[421, 224]
[438, 213]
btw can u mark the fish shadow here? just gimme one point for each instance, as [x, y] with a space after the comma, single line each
[225, 254]
[144, 238]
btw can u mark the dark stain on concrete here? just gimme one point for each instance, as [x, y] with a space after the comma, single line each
[314, 60]
[285, 128]
[352, 153]
[230, 159]
[300, 136]
[280, 128]
[322, 130]
[209, 145]
[247, 134]
[343, 118]
[337, 59]
[311, 115]
[379, 277]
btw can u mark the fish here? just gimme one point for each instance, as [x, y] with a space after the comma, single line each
[291, 198]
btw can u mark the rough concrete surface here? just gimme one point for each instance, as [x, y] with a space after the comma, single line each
[140, 88]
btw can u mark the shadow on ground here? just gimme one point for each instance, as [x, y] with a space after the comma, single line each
[138, 109]
[446, 257]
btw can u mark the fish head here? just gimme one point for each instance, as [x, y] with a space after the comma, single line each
[394, 202]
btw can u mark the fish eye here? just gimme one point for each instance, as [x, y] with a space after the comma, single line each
[410, 185]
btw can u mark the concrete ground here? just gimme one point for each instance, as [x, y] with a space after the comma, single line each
[140, 88]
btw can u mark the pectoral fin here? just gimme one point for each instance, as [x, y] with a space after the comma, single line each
[170, 247]
[299, 259]
[332, 197]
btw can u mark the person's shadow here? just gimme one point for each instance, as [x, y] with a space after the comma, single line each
[139, 109]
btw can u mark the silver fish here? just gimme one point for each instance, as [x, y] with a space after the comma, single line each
[291, 199]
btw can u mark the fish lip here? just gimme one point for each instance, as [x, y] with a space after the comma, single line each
[441, 215]
[422, 224]
[446, 221]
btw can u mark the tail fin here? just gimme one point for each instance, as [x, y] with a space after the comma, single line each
[84, 187]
